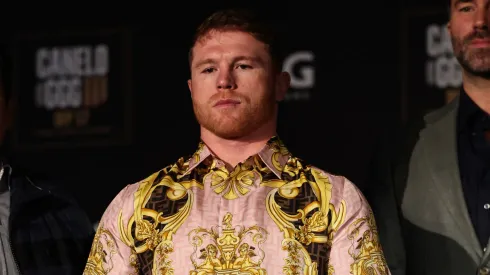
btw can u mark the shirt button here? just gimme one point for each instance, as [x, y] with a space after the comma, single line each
[487, 206]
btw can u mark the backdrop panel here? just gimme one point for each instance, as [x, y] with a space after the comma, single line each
[73, 89]
[431, 75]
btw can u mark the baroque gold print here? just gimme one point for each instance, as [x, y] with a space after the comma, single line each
[366, 249]
[100, 257]
[133, 262]
[279, 150]
[229, 250]
[197, 155]
[244, 176]
[237, 183]
[316, 227]
[147, 221]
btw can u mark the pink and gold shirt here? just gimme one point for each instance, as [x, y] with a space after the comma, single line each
[272, 214]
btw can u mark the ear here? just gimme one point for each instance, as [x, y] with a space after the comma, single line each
[283, 82]
[189, 84]
[449, 12]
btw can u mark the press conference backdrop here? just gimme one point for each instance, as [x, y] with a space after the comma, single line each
[106, 104]
[431, 75]
[76, 86]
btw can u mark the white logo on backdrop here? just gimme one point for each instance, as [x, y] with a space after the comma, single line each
[60, 73]
[442, 69]
[299, 66]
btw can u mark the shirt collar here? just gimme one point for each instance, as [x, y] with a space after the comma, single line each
[274, 155]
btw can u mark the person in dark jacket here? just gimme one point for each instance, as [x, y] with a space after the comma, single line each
[42, 228]
[430, 189]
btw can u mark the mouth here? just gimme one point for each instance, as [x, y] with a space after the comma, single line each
[226, 103]
[480, 42]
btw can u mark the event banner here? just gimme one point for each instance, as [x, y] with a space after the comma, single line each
[72, 89]
[431, 75]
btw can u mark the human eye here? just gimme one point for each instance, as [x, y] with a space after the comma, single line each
[208, 70]
[243, 66]
[465, 8]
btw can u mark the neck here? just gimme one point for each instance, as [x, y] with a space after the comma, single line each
[234, 151]
[478, 89]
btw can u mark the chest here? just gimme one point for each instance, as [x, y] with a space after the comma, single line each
[260, 233]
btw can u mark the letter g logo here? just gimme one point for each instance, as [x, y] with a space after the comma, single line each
[305, 79]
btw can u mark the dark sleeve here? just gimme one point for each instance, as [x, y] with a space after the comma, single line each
[85, 230]
[381, 195]
[51, 233]
[79, 230]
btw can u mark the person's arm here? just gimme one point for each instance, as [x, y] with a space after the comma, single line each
[109, 254]
[381, 195]
[355, 248]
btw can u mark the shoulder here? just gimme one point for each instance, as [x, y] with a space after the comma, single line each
[337, 182]
[133, 196]
[55, 207]
[341, 190]
[125, 199]
[346, 201]
[27, 189]
[443, 111]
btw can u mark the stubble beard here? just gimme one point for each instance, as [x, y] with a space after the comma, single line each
[235, 124]
[475, 61]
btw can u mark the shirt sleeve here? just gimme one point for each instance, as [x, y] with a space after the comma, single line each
[109, 254]
[355, 248]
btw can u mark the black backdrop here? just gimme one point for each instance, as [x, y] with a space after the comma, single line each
[333, 122]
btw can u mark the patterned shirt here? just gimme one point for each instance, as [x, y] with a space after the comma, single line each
[272, 214]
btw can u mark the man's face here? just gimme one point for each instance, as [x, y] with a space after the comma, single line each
[470, 36]
[233, 84]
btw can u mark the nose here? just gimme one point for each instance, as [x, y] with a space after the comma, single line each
[225, 80]
[481, 20]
